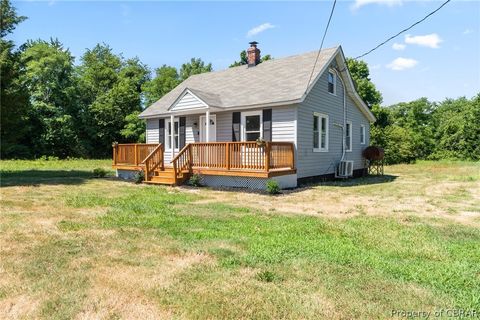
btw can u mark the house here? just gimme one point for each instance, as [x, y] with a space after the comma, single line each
[289, 119]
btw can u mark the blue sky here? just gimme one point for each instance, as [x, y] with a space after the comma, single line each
[439, 58]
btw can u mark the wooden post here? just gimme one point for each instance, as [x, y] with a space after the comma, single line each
[162, 150]
[267, 156]
[175, 172]
[292, 150]
[135, 148]
[190, 157]
[227, 155]
[114, 154]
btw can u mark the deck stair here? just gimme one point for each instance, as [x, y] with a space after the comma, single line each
[167, 177]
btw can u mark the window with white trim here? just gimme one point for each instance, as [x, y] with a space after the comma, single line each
[348, 136]
[332, 82]
[320, 132]
[168, 134]
[362, 134]
[251, 125]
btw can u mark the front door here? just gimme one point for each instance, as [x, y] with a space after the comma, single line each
[213, 129]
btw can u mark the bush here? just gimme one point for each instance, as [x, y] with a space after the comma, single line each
[139, 176]
[273, 187]
[195, 180]
[99, 173]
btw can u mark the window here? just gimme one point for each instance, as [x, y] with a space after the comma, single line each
[332, 87]
[362, 134]
[252, 125]
[168, 135]
[320, 132]
[348, 136]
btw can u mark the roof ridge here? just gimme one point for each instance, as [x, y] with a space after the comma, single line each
[266, 62]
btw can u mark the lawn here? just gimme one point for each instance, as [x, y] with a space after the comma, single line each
[74, 246]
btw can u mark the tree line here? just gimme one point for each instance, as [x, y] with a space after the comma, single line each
[420, 129]
[52, 107]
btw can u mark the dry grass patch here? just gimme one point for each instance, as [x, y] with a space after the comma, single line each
[446, 191]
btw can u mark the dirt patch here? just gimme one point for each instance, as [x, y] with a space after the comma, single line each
[19, 307]
[122, 290]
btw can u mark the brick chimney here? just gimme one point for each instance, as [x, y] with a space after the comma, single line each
[253, 54]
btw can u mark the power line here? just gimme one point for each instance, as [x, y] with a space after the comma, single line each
[404, 30]
[321, 44]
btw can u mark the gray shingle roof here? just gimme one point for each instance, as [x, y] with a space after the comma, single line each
[274, 81]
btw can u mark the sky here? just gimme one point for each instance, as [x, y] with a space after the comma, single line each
[439, 58]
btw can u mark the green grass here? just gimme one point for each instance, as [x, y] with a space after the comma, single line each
[443, 259]
[233, 259]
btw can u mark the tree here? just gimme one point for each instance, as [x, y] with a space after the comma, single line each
[165, 80]
[112, 90]
[14, 99]
[365, 87]
[134, 129]
[8, 18]
[457, 129]
[195, 66]
[49, 79]
[416, 117]
[243, 59]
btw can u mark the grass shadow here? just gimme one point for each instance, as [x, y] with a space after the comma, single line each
[354, 182]
[43, 177]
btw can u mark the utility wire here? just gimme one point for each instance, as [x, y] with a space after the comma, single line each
[404, 30]
[321, 44]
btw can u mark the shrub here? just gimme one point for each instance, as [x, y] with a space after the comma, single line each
[99, 173]
[195, 180]
[273, 187]
[139, 176]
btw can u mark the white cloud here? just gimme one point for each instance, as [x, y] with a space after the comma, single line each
[467, 31]
[398, 46]
[429, 40]
[258, 29]
[402, 64]
[360, 3]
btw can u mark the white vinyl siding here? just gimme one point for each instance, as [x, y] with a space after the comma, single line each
[311, 163]
[284, 122]
[151, 135]
[187, 102]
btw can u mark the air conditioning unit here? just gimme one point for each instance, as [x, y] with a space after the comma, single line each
[344, 169]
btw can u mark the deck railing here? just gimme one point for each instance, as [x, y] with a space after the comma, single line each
[132, 154]
[153, 161]
[235, 156]
[182, 161]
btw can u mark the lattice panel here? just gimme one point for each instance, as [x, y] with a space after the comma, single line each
[235, 182]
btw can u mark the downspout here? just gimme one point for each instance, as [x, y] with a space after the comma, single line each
[344, 116]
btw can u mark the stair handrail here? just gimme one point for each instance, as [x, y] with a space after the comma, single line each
[153, 160]
[185, 155]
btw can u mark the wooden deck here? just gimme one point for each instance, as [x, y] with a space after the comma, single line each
[239, 159]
